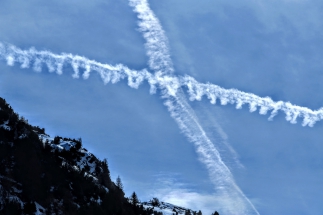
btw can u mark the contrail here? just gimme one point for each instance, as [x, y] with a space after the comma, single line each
[170, 84]
[160, 61]
[175, 101]
[233, 201]
[180, 110]
[156, 40]
[55, 62]
[172, 88]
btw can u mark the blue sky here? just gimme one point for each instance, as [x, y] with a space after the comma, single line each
[269, 48]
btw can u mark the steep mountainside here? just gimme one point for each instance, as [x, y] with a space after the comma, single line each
[44, 175]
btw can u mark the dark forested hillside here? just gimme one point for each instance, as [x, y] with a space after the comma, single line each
[44, 175]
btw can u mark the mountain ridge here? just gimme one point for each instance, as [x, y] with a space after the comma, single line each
[40, 174]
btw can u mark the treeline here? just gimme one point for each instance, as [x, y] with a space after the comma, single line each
[31, 173]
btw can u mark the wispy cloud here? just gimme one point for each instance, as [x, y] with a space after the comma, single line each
[172, 190]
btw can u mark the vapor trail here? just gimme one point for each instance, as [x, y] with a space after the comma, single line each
[172, 91]
[160, 61]
[169, 84]
[233, 201]
[180, 110]
[171, 87]
[175, 101]
[55, 63]
[156, 40]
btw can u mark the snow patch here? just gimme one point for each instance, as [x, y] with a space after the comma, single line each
[167, 208]
[16, 190]
[40, 210]
[22, 136]
[5, 126]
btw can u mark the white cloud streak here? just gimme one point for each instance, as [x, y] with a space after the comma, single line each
[180, 110]
[234, 201]
[172, 91]
[170, 84]
[179, 195]
[156, 40]
[171, 87]
[174, 99]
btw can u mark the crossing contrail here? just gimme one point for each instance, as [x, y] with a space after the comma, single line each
[175, 100]
[169, 84]
[172, 88]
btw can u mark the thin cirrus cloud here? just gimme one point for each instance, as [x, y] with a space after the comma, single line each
[171, 87]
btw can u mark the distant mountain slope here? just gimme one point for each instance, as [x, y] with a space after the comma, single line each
[44, 175]
[167, 208]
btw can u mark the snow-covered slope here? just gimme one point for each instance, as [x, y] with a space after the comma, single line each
[167, 208]
[75, 156]
[40, 175]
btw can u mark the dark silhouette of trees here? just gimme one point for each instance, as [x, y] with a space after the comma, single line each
[12, 208]
[119, 183]
[155, 202]
[36, 172]
[29, 208]
[134, 199]
[57, 140]
[188, 212]
[103, 174]
[78, 145]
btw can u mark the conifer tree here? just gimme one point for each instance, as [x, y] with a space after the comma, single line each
[188, 212]
[29, 208]
[119, 183]
[155, 202]
[56, 140]
[134, 199]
